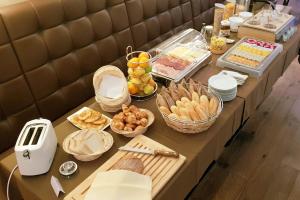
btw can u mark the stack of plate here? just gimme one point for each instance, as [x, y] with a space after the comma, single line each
[223, 85]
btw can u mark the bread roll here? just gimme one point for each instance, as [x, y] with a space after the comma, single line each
[213, 106]
[195, 97]
[175, 110]
[193, 114]
[173, 115]
[161, 101]
[185, 100]
[185, 118]
[184, 92]
[164, 110]
[179, 103]
[204, 103]
[201, 113]
[195, 104]
[185, 113]
[168, 99]
[192, 86]
[189, 105]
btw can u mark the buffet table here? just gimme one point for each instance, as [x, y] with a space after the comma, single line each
[200, 149]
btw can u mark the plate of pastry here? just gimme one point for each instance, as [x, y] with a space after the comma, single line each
[87, 118]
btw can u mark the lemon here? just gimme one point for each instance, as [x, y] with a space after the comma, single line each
[144, 62]
[144, 55]
[133, 62]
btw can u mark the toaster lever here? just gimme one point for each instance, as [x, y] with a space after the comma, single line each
[26, 154]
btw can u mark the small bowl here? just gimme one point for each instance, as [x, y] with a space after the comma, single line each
[134, 133]
[105, 136]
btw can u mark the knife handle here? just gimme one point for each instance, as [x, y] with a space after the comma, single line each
[166, 153]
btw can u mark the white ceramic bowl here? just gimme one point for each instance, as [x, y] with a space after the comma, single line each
[245, 15]
[235, 22]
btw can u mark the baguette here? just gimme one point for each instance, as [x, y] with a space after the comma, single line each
[175, 110]
[192, 85]
[213, 106]
[195, 97]
[204, 103]
[184, 113]
[179, 103]
[193, 114]
[185, 100]
[202, 114]
[184, 92]
[164, 110]
[168, 99]
[161, 101]
[173, 115]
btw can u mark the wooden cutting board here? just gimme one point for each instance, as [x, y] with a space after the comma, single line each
[160, 169]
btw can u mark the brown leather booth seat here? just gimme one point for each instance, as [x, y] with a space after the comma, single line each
[60, 44]
[203, 12]
[16, 101]
[153, 21]
[50, 49]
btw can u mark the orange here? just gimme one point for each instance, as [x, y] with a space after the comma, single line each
[133, 89]
[133, 62]
[144, 55]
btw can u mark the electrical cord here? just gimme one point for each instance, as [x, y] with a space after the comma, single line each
[7, 187]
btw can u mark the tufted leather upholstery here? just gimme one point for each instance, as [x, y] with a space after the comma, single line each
[49, 49]
[61, 43]
[153, 21]
[203, 12]
[16, 102]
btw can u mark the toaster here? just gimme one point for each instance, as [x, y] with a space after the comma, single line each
[36, 147]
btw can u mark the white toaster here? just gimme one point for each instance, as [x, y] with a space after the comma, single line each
[35, 147]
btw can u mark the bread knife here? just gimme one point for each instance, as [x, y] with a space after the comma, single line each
[150, 151]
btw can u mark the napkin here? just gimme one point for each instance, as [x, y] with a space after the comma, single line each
[240, 78]
[86, 143]
[120, 185]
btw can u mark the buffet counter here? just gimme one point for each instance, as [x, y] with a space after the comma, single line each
[200, 149]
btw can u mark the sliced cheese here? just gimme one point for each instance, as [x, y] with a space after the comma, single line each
[120, 184]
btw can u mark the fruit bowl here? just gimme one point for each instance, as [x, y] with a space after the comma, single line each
[141, 85]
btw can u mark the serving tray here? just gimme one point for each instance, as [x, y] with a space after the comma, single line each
[160, 169]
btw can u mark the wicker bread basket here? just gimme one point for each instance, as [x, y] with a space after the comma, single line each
[193, 127]
[109, 104]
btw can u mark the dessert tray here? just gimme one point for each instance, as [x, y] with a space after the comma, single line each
[250, 56]
[180, 56]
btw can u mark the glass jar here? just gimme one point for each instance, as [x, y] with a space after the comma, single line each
[229, 10]
[225, 28]
[242, 6]
[218, 15]
[218, 44]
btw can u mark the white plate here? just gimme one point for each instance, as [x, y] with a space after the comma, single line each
[234, 91]
[84, 109]
[222, 83]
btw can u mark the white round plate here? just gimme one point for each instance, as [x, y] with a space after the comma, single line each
[222, 83]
